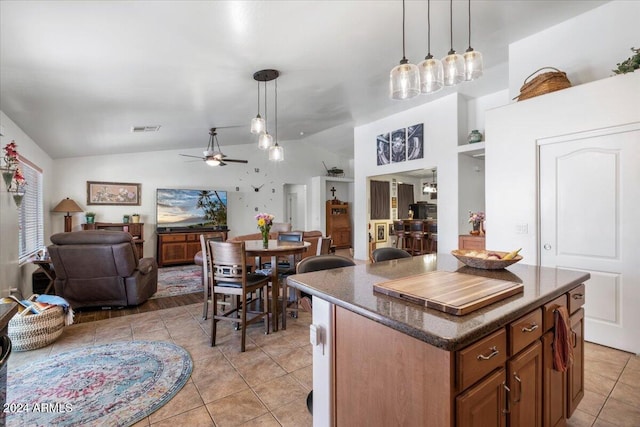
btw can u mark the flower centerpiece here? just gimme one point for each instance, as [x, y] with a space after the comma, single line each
[476, 218]
[265, 221]
[10, 162]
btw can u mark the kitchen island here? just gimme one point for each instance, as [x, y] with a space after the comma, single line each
[379, 360]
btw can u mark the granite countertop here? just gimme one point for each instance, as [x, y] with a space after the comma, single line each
[352, 288]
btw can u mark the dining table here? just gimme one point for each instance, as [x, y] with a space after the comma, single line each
[275, 249]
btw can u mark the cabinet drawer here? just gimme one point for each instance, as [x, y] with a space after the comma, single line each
[477, 360]
[173, 238]
[524, 331]
[576, 298]
[193, 237]
[547, 311]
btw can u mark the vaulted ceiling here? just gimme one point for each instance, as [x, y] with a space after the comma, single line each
[76, 76]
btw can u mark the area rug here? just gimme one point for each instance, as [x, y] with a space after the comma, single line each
[114, 384]
[182, 279]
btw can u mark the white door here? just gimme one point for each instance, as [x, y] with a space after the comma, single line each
[590, 221]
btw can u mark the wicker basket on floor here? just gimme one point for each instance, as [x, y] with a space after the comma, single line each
[36, 330]
[543, 83]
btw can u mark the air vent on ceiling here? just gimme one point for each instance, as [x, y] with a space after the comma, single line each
[145, 128]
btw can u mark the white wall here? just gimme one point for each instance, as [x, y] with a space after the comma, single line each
[11, 274]
[586, 47]
[166, 169]
[511, 158]
[440, 119]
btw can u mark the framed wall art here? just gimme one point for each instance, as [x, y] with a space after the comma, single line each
[113, 193]
[382, 147]
[381, 232]
[399, 145]
[415, 142]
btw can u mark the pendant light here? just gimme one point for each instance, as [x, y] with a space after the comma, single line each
[257, 123]
[265, 140]
[431, 73]
[404, 79]
[453, 63]
[472, 58]
[276, 152]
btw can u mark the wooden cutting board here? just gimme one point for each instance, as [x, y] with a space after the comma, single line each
[453, 293]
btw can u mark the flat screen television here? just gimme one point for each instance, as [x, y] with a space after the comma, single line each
[186, 209]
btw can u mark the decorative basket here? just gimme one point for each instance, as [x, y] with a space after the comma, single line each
[543, 83]
[36, 330]
[485, 264]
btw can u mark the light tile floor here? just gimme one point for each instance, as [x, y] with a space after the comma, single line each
[268, 384]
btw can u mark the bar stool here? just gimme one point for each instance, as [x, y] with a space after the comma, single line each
[400, 233]
[418, 236]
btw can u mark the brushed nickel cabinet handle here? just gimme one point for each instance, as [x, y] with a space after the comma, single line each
[519, 381]
[507, 404]
[494, 352]
[531, 328]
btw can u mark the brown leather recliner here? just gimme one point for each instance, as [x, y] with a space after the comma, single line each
[101, 269]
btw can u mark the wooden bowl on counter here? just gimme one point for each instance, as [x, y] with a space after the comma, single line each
[486, 264]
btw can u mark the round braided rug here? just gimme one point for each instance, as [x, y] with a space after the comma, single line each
[114, 384]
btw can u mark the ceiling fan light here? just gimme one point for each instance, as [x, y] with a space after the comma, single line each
[212, 161]
[265, 141]
[276, 153]
[404, 81]
[472, 64]
[257, 125]
[453, 67]
[431, 75]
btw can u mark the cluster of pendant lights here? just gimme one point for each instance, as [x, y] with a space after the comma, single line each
[259, 125]
[408, 80]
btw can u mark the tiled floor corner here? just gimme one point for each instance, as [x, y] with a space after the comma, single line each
[268, 384]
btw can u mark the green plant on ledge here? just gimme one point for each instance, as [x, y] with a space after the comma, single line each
[90, 217]
[630, 65]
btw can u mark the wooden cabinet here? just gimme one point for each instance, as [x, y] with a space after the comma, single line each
[339, 223]
[179, 248]
[525, 387]
[484, 404]
[135, 229]
[468, 241]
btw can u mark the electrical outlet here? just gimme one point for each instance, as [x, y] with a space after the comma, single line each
[522, 228]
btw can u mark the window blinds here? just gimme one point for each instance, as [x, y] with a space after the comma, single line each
[31, 217]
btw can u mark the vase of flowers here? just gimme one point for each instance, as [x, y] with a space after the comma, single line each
[18, 186]
[476, 219]
[265, 221]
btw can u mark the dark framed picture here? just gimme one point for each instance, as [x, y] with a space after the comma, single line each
[398, 145]
[391, 232]
[382, 149]
[415, 142]
[113, 193]
[381, 232]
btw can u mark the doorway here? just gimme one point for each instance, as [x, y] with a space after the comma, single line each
[589, 200]
[295, 205]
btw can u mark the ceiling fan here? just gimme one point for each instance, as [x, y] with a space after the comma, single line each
[214, 158]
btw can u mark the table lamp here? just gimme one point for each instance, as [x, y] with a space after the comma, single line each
[67, 205]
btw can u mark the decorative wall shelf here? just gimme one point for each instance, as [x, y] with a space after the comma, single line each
[473, 150]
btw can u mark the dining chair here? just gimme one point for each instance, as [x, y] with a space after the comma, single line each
[207, 278]
[287, 264]
[388, 253]
[418, 234]
[324, 245]
[317, 263]
[400, 233]
[230, 277]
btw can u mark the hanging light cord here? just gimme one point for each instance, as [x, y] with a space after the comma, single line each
[470, 24]
[258, 97]
[428, 29]
[404, 57]
[276, 110]
[451, 51]
[265, 108]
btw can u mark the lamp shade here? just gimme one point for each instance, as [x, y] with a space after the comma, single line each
[257, 125]
[67, 205]
[265, 141]
[276, 153]
[404, 81]
[431, 75]
[453, 65]
[472, 64]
